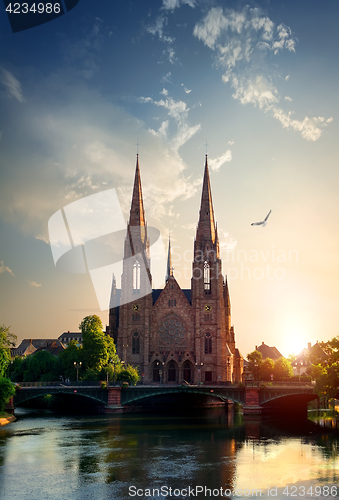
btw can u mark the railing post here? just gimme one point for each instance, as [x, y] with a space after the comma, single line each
[252, 406]
[113, 400]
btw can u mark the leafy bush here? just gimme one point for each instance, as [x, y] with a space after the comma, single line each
[7, 390]
[128, 374]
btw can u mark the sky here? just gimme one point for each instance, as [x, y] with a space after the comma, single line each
[253, 84]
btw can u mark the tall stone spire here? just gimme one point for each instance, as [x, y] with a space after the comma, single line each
[137, 213]
[169, 270]
[206, 226]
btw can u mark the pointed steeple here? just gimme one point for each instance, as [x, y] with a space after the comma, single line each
[206, 226]
[137, 213]
[169, 270]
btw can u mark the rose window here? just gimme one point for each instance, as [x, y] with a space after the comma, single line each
[172, 331]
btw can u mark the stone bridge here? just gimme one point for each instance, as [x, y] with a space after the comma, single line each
[256, 399]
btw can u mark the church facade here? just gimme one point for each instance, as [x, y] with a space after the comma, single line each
[174, 335]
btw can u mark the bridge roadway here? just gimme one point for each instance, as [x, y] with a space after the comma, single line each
[254, 397]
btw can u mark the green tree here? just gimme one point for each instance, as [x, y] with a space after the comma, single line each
[72, 354]
[255, 360]
[266, 369]
[324, 368]
[7, 340]
[16, 371]
[97, 348]
[40, 366]
[282, 369]
[7, 390]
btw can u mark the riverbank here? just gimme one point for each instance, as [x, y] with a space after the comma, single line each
[6, 418]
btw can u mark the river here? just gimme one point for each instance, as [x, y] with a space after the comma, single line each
[210, 454]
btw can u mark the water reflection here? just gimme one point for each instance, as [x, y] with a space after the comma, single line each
[45, 456]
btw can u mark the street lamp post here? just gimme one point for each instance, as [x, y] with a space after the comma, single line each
[299, 365]
[77, 366]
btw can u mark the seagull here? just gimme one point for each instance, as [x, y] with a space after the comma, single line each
[263, 222]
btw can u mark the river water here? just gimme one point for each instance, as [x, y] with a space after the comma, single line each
[46, 456]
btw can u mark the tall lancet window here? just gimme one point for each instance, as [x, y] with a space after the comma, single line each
[136, 277]
[207, 277]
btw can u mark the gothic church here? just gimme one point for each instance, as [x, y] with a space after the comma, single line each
[175, 335]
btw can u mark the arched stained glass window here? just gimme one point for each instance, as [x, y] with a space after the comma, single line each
[136, 276]
[208, 343]
[207, 277]
[135, 343]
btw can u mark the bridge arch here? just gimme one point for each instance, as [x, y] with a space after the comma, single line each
[95, 395]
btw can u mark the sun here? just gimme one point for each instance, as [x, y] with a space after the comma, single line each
[295, 338]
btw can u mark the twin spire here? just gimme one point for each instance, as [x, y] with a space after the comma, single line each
[206, 230]
[137, 213]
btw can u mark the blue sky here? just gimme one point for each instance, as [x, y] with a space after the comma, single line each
[256, 81]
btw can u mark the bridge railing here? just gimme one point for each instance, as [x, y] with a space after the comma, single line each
[252, 383]
[80, 383]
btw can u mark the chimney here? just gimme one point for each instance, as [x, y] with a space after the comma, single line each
[262, 343]
[308, 345]
[256, 347]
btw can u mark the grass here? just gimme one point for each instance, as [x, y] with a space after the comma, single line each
[3, 414]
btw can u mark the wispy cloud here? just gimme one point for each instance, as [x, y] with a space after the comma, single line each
[177, 110]
[241, 41]
[5, 269]
[174, 4]
[188, 91]
[226, 241]
[158, 29]
[34, 284]
[216, 163]
[42, 238]
[11, 84]
[81, 54]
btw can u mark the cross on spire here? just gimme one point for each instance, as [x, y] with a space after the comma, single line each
[170, 269]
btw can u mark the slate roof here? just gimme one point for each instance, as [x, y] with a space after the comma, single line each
[268, 352]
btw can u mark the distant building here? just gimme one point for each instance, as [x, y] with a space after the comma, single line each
[54, 347]
[24, 349]
[67, 337]
[268, 352]
[29, 346]
[308, 355]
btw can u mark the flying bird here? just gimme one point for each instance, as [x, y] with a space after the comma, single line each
[263, 222]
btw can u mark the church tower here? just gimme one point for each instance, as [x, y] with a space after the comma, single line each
[136, 284]
[172, 334]
[210, 299]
